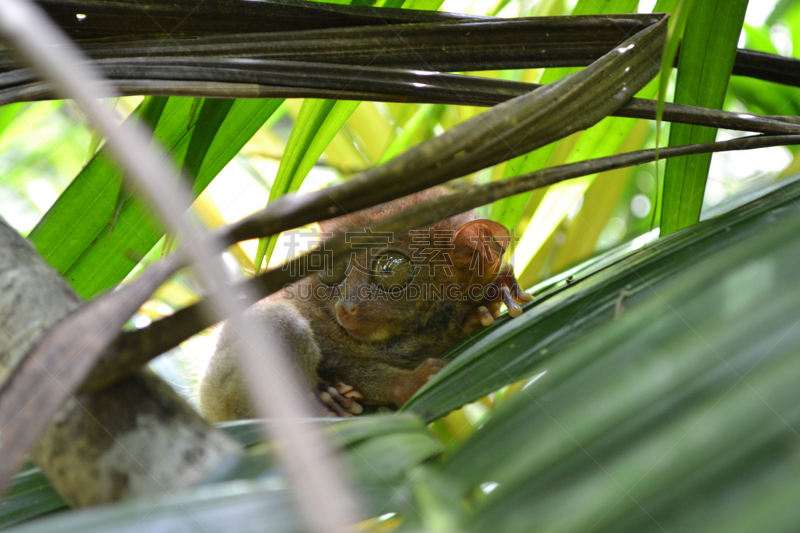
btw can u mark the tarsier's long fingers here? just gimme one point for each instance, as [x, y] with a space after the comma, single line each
[343, 405]
[477, 318]
[503, 290]
[330, 400]
[347, 390]
[505, 278]
[514, 309]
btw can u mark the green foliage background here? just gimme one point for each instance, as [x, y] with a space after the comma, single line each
[642, 390]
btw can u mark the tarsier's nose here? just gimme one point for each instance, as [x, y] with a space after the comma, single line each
[346, 308]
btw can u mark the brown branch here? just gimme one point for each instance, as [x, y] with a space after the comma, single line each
[134, 349]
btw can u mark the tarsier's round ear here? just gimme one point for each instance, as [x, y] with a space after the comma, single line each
[481, 243]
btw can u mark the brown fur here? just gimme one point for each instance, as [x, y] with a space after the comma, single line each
[385, 345]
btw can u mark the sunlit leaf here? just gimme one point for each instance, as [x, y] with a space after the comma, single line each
[518, 348]
[706, 61]
[96, 234]
[316, 124]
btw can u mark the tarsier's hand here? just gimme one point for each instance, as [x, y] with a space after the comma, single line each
[414, 380]
[503, 290]
[341, 399]
[398, 386]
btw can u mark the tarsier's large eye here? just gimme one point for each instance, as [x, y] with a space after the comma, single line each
[392, 270]
[335, 275]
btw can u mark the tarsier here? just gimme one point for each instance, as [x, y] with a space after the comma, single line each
[368, 328]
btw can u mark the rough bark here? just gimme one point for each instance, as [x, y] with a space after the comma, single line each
[134, 439]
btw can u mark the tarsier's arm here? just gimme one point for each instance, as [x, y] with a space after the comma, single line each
[223, 392]
[223, 395]
[380, 383]
[376, 382]
[478, 248]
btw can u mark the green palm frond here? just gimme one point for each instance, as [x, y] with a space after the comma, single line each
[650, 385]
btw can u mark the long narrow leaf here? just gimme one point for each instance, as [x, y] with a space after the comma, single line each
[317, 123]
[89, 203]
[706, 61]
[515, 350]
[111, 236]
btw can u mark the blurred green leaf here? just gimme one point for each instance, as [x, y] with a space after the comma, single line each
[233, 507]
[343, 432]
[765, 97]
[652, 369]
[421, 123]
[387, 458]
[515, 349]
[600, 203]
[30, 496]
[381, 452]
[620, 417]
[8, 114]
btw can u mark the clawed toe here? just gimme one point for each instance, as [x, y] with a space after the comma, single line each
[339, 404]
[506, 289]
[348, 391]
[342, 399]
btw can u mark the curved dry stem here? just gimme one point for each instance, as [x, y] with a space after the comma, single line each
[325, 503]
[135, 348]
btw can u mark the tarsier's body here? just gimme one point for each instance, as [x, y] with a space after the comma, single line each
[376, 321]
